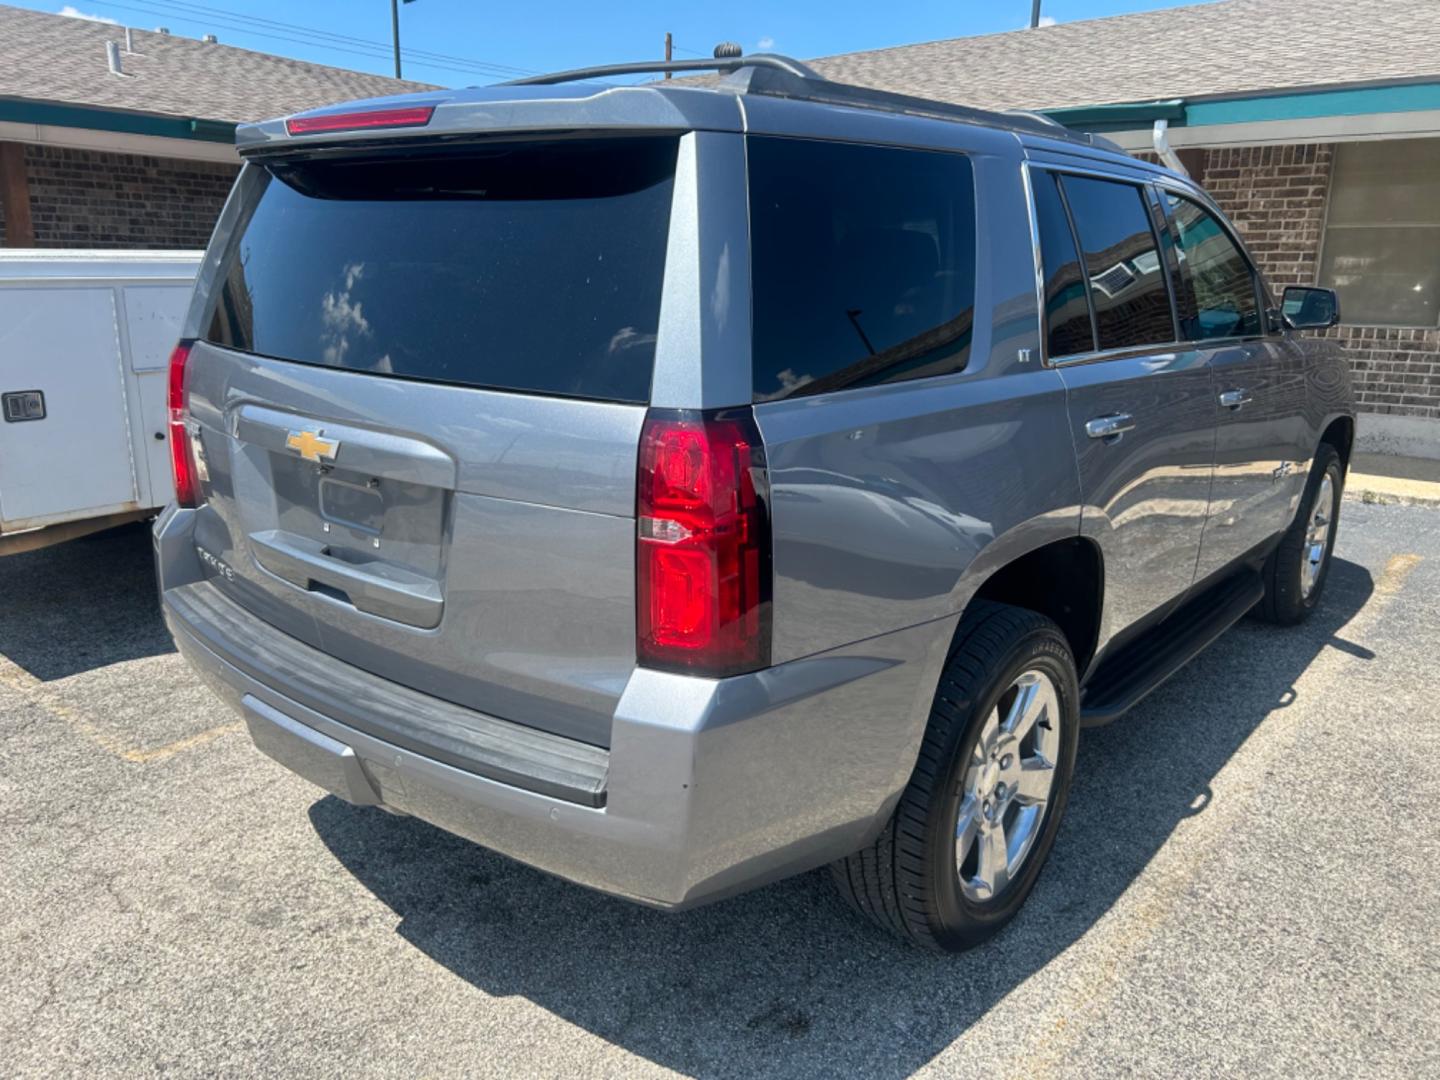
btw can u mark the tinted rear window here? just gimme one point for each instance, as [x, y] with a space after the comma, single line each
[862, 264]
[535, 268]
[1067, 310]
[1128, 287]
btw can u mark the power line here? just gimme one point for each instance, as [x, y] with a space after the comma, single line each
[189, 7]
[351, 45]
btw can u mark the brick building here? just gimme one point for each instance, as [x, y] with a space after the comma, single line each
[1313, 123]
[141, 157]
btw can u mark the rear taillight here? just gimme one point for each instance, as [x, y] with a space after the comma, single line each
[703, 544]
[182, 460]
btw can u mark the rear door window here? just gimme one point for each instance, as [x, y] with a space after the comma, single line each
[1220, 294]
[862, 264]
[1068, 329]
[528, 267]
[1128, 286]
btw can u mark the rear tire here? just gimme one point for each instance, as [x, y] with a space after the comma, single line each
[1296, 571]
[938, 875]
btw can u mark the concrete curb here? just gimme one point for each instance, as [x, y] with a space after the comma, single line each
[1390, 491]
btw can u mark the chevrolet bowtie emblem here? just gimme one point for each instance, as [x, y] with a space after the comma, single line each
[312, 446]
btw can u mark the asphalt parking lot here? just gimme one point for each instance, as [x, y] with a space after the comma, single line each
[1247, 883]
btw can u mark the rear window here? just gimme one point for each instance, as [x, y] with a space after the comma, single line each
[862, 264]
[1128, 288]
[526, 267]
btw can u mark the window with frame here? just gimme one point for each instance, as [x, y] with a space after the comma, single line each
[862, 263]
[1220, 293]
[1381, 251]
[1068, 329]
[1129, 288]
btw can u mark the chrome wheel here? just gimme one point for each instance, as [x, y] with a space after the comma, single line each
[1007, 786]
[1317, 536]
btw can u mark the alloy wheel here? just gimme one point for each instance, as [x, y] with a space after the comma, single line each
[1317, 536]
[1008, 783]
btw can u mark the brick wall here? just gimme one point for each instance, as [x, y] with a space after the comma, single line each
[1276, 196]
[89, 198]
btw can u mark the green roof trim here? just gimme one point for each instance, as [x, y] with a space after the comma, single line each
[1120, 117]
[1357, 101]
[23, 111]
[1300, 105]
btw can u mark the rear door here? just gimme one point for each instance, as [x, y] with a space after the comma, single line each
[1259, 387]
[1141, 408]
[418, 407]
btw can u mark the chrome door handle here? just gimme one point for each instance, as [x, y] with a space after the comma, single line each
[1108, 427]
[1233, 399]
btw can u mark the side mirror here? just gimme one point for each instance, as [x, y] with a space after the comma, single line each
[1308, 308]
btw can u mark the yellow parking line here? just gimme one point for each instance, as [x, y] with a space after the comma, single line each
[17, 678]
[160, 753]
[1392, 578]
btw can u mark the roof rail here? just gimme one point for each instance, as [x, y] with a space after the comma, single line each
[815, 87]
[772, 75]
[644, 67]
[1060, 130]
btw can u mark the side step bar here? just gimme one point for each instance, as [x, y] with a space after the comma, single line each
[1126, 678]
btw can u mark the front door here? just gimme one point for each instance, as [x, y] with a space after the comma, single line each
[1142, 408]
[1259, 385]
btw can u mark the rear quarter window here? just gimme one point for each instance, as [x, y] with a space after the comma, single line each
[527, 267]
[862, 264]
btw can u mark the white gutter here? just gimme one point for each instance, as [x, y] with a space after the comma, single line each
[1161, 139]
[118, 142]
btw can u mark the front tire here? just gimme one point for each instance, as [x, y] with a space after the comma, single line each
[977, 820]
[1296, 571]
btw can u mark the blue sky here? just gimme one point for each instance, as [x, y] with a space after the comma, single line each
[478, 39]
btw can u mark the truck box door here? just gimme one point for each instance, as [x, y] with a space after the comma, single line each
[76, 462]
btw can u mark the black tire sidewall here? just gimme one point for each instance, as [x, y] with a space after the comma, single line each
[958, 922]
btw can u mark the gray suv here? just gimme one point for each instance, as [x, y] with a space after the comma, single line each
[681, 486]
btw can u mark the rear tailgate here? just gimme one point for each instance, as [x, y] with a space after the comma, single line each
[418, 410]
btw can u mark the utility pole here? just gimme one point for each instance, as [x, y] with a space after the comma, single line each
[1034, 14]
[669, 49]
[395, 30]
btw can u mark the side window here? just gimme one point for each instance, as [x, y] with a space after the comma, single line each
[1127, 276]
[862, 262]
[1216, 274]
[1067, 310]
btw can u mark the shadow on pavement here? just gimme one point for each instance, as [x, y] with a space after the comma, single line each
[82, 604]
[786, 979]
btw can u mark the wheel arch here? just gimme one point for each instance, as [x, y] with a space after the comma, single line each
[1063, 580]
[1340, 433]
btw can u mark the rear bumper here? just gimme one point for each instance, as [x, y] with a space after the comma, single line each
[708, 787]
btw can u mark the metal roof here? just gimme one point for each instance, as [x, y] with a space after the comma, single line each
[569, 101]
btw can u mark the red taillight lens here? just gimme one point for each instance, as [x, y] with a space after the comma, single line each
[182, 461]
[703, 547]
[411, 116]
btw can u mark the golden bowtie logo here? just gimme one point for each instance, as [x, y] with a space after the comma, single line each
[312, 446]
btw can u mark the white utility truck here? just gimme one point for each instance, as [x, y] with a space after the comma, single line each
[85, 339]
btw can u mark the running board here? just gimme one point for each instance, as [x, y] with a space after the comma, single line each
[1125, 679]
